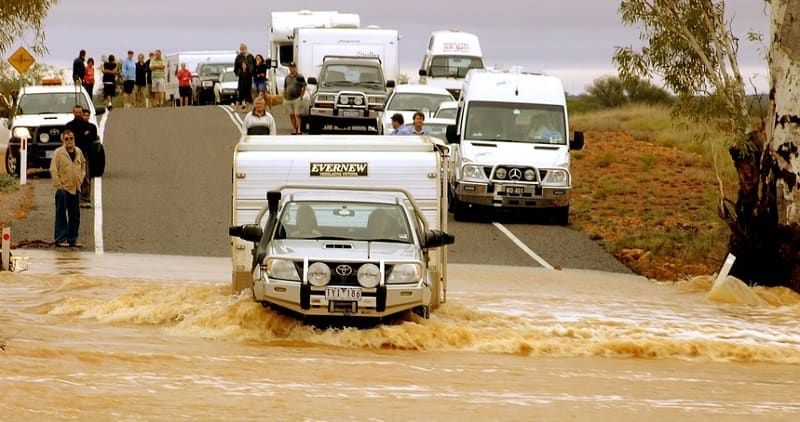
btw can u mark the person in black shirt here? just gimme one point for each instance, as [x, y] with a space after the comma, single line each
[85, 133]
[79, 68]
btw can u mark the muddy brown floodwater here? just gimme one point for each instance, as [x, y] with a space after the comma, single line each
[127, 337]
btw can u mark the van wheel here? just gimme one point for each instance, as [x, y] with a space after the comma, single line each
[561, 216]
[12, 162]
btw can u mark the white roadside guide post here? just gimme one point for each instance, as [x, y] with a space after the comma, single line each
[23, 159]
[6, 254]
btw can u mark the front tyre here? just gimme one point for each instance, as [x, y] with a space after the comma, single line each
[12, 161]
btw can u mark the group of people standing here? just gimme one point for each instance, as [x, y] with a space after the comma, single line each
[251, 73]
[143, 81]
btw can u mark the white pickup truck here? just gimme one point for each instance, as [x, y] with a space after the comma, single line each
[342, 226]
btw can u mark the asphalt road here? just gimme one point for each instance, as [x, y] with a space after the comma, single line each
[167, 191]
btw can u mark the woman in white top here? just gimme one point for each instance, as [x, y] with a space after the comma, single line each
[259, 121]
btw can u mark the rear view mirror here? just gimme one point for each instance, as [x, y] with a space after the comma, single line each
[312, 81]
[437, 238]
[451, 135]
[577, 142]
[248, 232]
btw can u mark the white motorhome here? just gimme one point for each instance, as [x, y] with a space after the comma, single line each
[448, 58]
[337, 225]
[510, 144]
[192, 59]
[281, 37]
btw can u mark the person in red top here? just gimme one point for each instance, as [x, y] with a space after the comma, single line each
[88, 77]
[184, 76]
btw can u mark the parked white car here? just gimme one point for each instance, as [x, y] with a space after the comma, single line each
[407, 99]
[446, 110]
[227, 90]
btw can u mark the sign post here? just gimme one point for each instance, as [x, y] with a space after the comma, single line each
[6, 250]
[22, 60]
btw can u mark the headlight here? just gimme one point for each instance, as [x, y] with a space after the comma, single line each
[473, 172]
[342, 100]
[325, 98]
[369, 275]
[22, 133]
[530, 175]
[556, 177]
[404, 274]
[358, 101]
[319, 274]
[44, 138]
[500, 173]
[282, 269]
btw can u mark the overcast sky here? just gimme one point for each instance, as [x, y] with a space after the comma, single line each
[572, 39]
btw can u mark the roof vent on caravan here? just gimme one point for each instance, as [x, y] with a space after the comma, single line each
[345, 20]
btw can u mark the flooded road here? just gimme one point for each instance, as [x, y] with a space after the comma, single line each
[140, 337]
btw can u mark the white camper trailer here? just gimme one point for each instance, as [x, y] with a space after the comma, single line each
[448, 58]
[306, 235]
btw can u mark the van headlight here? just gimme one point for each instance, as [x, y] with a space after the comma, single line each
[404, 274]
[473, 173]
[556, 178]
[282, 269]
[369, 275]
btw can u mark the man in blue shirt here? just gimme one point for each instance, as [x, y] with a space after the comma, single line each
[399, 125]
[128, 78]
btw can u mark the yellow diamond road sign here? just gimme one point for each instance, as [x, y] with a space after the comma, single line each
[21, 60]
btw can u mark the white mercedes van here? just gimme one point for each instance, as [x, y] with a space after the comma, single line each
[510, 144]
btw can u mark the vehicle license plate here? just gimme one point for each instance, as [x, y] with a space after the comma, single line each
[352, 294]
[351, 113]
[515, 190]
[48, 154]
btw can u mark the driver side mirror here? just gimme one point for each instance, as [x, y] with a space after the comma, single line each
[437, 238]
[248, 232]
[312, 81]
[577, 142]
[451, 135]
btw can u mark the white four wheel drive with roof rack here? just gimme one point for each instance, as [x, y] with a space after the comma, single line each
[510, 145]
[448, 58]
[341, 226]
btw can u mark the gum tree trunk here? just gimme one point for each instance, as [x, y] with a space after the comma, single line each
[766, 234]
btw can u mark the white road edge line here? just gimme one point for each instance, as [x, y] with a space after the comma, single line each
[235, 118]
[523, 246]
[97, 192]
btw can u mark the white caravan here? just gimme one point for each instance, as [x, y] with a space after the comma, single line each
[335, 225]
[448, 58]
[510, 145]
[281, 37]
[192, 59]
[313, 44]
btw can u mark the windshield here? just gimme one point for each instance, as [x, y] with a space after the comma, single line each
[229, 77]
[343, 220]
[50, 102]
[446, 113]
[530, 123]
[415, 101]
[454, 66]
[351, 74]
[212, 69]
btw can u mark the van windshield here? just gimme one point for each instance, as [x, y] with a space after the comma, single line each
[454, 66]
[510, 122]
